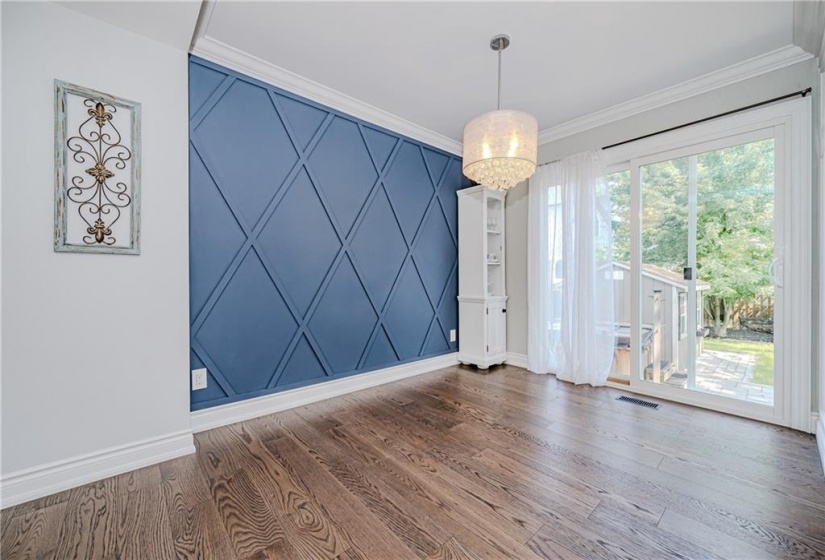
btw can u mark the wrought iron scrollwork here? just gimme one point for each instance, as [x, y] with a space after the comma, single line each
[100, 198]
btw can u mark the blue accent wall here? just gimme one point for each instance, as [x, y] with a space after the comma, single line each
[321, 246]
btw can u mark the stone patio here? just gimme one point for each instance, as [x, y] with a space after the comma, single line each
[728, 374]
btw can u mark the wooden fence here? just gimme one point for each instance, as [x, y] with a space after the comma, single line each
[759, 308]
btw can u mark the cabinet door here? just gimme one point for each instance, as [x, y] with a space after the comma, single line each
[496, 329]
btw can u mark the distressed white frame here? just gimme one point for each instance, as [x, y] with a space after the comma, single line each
[61, 203]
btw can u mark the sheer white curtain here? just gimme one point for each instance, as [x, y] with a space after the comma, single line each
[570, 272]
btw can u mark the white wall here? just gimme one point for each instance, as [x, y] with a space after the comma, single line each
[94, 347]
[766, 86]
[515, 247]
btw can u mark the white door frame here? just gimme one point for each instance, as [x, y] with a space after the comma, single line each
[790, 125]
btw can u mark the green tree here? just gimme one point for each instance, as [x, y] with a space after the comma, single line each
[734, 221]
[735, 216]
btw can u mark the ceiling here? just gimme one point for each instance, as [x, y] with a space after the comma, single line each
[430, 63]
[169, 22]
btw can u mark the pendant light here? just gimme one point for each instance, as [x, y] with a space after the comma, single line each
[500, 146]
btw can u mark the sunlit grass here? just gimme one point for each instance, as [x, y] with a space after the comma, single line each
[762, 350]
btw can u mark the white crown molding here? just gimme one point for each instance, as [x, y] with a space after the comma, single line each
[809, 28]
[774, 60]
[224, 415]
[29, 484]
[204, 18]
[225, 55]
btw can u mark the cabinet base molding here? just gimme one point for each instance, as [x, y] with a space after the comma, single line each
[485, 362]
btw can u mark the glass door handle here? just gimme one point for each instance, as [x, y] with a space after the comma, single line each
[775, 273]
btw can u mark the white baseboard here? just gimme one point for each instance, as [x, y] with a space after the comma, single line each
[820, 439]
[30, 484]
[226, 414]
[518, 360]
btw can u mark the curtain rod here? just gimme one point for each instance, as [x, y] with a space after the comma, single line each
[802, 92]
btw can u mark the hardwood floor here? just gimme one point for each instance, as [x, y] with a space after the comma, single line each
[455, 464]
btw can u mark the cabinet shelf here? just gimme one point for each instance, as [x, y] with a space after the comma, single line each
[482, 294]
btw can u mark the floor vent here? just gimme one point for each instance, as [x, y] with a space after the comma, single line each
[640, 402]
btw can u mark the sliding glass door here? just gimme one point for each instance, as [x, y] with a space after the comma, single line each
[712, 272]
[706, 280]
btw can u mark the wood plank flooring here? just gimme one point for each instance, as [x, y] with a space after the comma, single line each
[457, 465]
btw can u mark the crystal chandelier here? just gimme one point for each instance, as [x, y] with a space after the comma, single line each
[500, 146]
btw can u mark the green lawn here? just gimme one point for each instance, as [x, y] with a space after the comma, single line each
[762, 350]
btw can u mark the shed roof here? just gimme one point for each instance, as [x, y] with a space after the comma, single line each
[664, 275]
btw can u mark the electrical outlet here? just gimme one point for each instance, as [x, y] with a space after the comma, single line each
[198, 379]
[452, 335]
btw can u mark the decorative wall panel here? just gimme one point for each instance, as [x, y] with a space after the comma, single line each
[97, 165]
[320, 246]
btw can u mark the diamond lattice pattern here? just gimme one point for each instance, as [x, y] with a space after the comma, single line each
[321, 246]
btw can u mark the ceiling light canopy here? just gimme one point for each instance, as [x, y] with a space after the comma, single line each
[500, 146]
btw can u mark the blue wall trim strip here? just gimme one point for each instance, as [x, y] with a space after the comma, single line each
[321, 246]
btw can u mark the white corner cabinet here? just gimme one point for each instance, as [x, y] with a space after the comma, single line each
[482, 297]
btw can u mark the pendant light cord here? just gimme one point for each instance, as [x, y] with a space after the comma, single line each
[499, 79]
